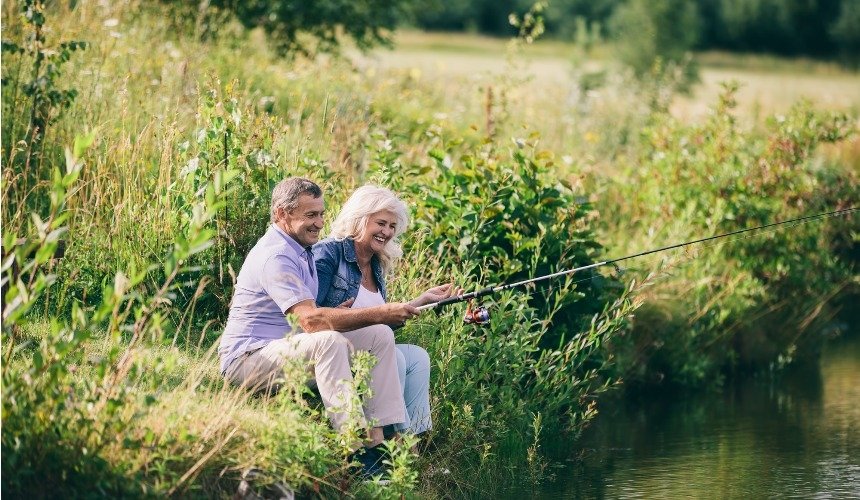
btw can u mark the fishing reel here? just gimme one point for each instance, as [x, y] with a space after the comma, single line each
[477, 316]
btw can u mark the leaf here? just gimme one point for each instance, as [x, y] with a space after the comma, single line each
[437, 154]
[54, 235]
[38, 360]
[83, 142]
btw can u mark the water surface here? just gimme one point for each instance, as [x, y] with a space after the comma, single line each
[797, 436]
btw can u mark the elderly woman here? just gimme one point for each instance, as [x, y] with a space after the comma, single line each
[351, 265]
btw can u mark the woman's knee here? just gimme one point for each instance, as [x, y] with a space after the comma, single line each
[401, 359]
[383, 339]
[401, 365]
[417, 358]
[422, 358]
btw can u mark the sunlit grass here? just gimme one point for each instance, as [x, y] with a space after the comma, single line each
[769, 84]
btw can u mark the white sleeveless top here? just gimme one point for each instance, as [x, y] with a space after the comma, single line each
[366, 298]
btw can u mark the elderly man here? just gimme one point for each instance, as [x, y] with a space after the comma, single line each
[278, 278]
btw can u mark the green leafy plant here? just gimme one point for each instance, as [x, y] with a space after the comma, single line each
[58, 428]
[515, 220]
[739, 304]
[47, 100]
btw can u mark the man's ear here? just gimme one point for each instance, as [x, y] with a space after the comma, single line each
[280, 214]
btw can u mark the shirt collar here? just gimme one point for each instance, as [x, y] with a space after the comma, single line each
[349, 250]
[295, 245]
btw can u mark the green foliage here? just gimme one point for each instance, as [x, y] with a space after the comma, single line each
[713, 178]
[825, 29]
[109, 347]
[656, 37]
[46, 100]
[846, 31]
[785, 27]
[491, 17]
[33, 98]
[58, 427]
[309, 28]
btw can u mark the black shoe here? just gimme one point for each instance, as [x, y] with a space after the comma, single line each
[371, 463]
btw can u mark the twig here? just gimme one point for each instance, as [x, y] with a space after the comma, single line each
[193, 470]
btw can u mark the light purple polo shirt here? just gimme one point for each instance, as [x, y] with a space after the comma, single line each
[275, 276]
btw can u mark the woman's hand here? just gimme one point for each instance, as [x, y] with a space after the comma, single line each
[346, 304]
[436, 294]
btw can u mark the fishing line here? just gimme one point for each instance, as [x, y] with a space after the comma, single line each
[483, 316]
[680, 261]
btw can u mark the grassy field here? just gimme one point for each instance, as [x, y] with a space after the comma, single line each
[768, 85]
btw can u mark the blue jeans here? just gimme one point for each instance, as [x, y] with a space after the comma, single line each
[413, 367]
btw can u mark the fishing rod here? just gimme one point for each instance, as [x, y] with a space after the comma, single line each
[481, 315]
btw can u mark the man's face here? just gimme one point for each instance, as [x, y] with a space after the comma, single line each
[304, 222]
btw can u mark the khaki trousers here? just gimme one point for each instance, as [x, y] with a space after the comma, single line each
[327, 355]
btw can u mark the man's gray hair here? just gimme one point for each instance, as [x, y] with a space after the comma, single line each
[286, 194]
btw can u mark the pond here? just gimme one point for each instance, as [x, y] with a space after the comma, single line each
[793, 436]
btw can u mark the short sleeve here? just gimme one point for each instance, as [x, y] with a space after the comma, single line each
[282, 282]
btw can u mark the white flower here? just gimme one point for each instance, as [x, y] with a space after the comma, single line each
[190, 167]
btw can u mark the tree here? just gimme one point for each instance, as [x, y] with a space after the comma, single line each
[646, 30]
[846, 31]
[310, 26]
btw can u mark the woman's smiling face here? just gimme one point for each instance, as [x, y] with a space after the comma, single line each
[378, 231]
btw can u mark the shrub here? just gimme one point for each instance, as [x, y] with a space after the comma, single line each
[748, 301]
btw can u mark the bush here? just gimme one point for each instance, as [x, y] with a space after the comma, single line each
[507, 214]
[657, 34]
[747, 301]
[498, 215]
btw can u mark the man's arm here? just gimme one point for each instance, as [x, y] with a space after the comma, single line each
[316, 319]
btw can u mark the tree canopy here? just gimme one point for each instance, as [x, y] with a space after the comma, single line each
[319, 25]
[823, 28]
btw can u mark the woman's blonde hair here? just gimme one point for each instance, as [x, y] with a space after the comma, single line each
[364, 202]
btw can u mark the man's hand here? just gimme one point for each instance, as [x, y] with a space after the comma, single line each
[397, 313]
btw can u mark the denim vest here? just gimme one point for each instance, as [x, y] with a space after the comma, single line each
[338, 272]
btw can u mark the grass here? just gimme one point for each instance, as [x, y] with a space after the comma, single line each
[769, 85]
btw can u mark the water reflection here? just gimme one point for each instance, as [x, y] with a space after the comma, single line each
[796, 437]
